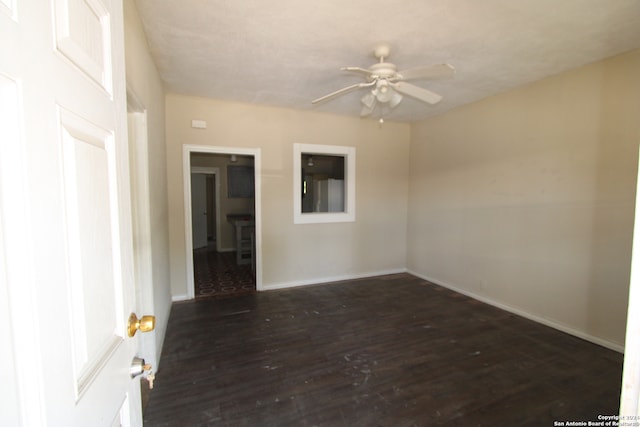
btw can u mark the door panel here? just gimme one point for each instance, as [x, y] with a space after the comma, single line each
[9, 404]
[8, 7]
[9, 120]
[83, 35]
[19, 357]
[90, 195]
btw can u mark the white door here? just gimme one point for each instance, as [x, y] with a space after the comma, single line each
[199, 210]
[630, 390]
[65, 209]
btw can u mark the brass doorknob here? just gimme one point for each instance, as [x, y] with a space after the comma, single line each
[144, 324]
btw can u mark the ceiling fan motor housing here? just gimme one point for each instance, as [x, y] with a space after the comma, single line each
[382, 70]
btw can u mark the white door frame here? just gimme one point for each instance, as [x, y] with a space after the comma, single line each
[141, 219]
[187, 150]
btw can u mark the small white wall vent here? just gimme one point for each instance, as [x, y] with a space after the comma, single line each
[198, 124]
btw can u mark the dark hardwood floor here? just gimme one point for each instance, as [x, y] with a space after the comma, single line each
[387, 351]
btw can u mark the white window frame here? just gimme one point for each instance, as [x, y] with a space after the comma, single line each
[349, 154]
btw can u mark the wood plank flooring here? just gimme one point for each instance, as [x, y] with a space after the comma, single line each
[387, 351]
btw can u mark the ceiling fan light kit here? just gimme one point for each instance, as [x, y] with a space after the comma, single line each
[396, 98]
[387, 85]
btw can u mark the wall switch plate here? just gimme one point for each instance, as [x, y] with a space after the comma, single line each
[198, 124]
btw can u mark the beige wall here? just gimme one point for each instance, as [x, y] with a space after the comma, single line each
[144, 81]
[526, 199]
[299, 254]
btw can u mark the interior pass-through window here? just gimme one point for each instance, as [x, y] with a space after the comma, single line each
[324, 183]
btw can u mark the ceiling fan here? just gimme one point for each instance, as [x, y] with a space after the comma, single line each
[388, 85]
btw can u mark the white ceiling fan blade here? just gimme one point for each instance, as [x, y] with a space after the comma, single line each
[342, 92]
[438, 71]
[417, 92]
[357, 70]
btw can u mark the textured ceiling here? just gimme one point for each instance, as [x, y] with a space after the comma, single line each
[288, 52]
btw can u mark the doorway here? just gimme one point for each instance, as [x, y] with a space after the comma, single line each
[223, 254]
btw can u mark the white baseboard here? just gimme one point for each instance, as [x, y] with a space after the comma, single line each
[324, 280]
[178, 298]
[544, 321]
[317, 281]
